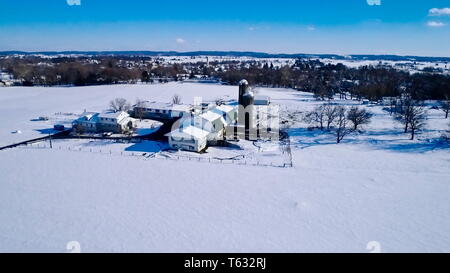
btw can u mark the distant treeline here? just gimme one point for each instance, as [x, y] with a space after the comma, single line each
[327, 80]
[324, 80]
[80, 71]
[251, 54]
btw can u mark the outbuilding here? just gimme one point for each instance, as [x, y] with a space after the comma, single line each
[188, 138]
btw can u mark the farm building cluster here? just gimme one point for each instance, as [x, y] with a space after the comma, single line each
[195, 127]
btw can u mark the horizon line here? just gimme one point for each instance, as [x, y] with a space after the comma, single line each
[235, 53]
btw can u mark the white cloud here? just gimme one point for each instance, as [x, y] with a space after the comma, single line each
[311, 28]
[73, 2]
[180, 41]
[439, 12]
[374, 2]
[435, 24]
[251, 28]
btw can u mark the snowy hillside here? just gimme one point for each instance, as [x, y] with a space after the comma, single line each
[374, 186]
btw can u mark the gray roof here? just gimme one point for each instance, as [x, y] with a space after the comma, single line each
[165, 106]
[110, 114]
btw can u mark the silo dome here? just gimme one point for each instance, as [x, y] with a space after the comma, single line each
[243, 82]
[243, 88]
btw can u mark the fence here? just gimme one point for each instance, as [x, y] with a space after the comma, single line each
[158, 155]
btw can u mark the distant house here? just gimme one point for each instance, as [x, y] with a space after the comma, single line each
[389, 101]
[116, 122]
[6, 79]
[159, 110]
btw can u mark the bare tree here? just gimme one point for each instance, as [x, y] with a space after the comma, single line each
[445, 106]
[358, 116]
[119, 104]
[403, 113]
[330, 112]
[316, 116]
[412, 115]
[341, 123]
[176, 99]
[418, 116]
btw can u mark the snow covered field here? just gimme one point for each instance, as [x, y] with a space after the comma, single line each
[375, 186]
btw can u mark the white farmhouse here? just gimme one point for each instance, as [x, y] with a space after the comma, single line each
[92, 122]
[116, 122]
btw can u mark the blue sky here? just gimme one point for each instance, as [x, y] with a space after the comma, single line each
[413, 27]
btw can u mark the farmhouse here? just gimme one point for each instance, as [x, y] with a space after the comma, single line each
[116, 122]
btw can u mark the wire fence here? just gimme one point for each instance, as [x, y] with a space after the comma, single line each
[161, 155]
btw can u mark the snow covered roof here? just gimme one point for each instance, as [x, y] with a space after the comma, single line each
[156, 105]
[198, 122]
[166, 106]
[181, 107]
[113, 115]
[223, 108]
[88, 116]
[211, 116]
[190, 131]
